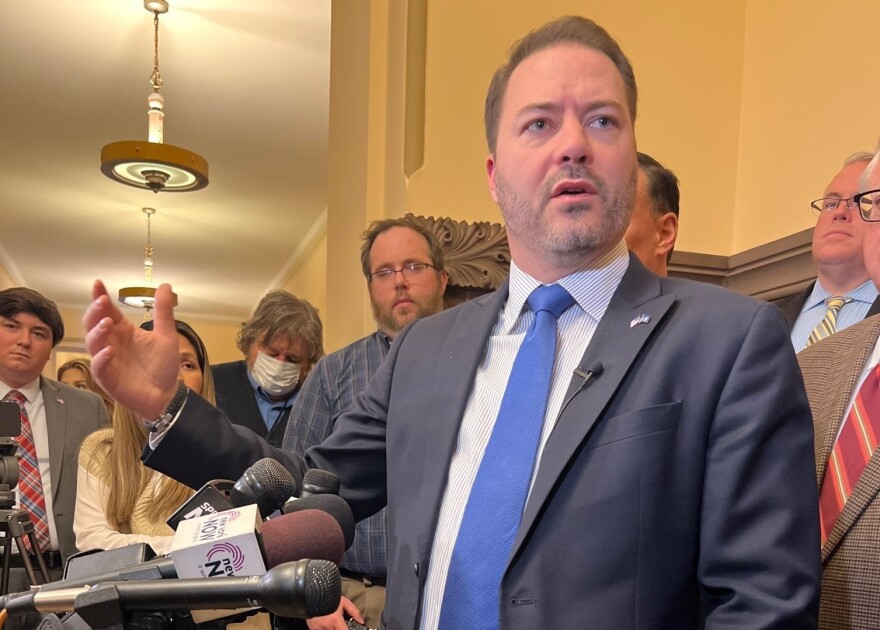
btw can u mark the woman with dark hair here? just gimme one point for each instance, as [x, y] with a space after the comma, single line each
[119, 500]
[78, 373]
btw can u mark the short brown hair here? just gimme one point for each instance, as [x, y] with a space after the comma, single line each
[282, 315]
[23, 300]
[565, 30]
[379, 227]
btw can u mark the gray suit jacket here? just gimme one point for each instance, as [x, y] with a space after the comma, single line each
[676, 491]
[851, 555]
[71, 414]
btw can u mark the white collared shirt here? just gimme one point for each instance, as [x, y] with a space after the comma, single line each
[592, 290]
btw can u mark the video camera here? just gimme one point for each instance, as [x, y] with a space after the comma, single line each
[10, 428]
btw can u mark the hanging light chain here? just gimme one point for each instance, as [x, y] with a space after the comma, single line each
[155, 77]
[148, 250]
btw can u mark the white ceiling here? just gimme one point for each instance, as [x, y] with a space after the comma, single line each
[246, 86]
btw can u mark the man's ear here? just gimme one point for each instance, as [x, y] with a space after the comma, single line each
[667, 232]
[490, 172]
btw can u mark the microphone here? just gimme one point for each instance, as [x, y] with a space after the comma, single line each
[306, 534]
[333, 505]
[209, 499]
[303, 589]
[318, 535]
[586, 376]
[317, 481]
[266, 483]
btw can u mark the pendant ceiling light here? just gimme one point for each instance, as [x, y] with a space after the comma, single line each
[151, 164]
[144, 297]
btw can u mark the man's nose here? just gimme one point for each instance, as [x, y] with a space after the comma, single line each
[400, 281]
[574, 145]
[844, 210]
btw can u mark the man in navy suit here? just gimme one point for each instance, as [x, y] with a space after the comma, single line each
[673, 482]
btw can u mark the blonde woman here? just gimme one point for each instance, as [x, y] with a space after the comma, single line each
[119, 500]
[78, 373]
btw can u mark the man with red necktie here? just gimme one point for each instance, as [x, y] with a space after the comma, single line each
[55, 418]
[842, 377]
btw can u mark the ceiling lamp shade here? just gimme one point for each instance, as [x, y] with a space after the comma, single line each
[150, 164]
[144, 297]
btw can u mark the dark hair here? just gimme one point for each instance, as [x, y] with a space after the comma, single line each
[565, 30]
[23, 300]
[662, 185]
[187, 331]
[282, 315]
[376, 228]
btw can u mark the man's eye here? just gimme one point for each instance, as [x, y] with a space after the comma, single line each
[602, 121]
[537, 125]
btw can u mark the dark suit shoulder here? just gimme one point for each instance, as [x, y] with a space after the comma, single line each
[707, 300]
[230, 370]
[792, 305]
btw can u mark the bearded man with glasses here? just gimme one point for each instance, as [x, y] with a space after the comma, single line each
[842, 294]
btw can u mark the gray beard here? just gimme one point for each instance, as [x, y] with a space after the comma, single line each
[526, 222]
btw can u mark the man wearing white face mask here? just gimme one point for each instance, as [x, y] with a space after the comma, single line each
[281, 342]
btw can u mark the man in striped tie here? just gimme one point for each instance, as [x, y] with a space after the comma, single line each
[842, 376]
[842, 294]
[54, 419]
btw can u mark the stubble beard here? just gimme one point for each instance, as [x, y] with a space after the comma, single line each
[390, 325]
[567, 239]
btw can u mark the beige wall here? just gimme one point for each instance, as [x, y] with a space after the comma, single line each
[689, 104]
[218, 335]
[6, 280]
[308, 279]
[810, 99]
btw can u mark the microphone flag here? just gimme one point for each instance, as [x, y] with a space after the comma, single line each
[221, 544]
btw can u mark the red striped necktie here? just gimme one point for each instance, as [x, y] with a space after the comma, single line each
[30, 484]
[853, 449]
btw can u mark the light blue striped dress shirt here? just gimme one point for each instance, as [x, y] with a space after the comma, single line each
[814, 310]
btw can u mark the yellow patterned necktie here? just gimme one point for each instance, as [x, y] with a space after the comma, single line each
[828, 325]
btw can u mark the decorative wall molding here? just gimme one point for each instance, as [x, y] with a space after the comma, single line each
[476, 254]
[768, 272]
[478, 260]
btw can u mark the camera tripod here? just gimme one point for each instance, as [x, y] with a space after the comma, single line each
[15, 525]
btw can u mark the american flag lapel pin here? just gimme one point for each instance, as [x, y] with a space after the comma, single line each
[644, 318]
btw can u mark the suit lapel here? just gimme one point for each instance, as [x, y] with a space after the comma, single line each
[615, 344]
[461, 358]
[56, 428]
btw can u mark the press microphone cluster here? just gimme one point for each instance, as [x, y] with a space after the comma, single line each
[266, 484]
[310, 533]
[234, 547]
[303, 589]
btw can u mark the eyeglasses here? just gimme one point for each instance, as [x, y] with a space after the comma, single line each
[414, 272]
[831, 204]
[869, 204]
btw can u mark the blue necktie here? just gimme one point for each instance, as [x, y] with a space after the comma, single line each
[495, 505]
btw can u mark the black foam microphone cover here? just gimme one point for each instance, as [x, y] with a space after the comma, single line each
[266, 483]
[317, 481]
